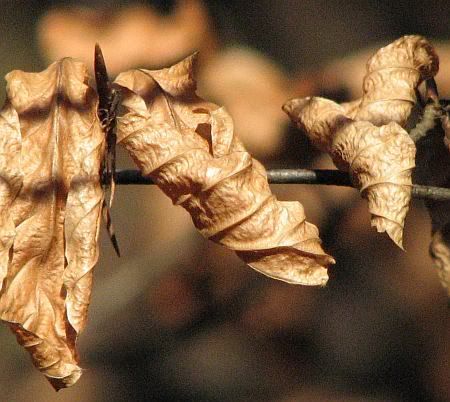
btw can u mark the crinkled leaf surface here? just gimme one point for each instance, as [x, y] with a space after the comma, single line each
[379, 159]
[51, 145]
[393, 74]
[188, 147]
[366, 137]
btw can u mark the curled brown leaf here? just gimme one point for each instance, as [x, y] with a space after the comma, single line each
[379, 159]
[393, 74]
[188, 147]
[50, 194]
[366, 136]
[347, 72]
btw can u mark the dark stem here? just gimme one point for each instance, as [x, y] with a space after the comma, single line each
[301, 176]
[432, 113]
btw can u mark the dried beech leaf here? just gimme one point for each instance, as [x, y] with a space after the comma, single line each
[51, 148]
[393, 74]
[347, 73]
[10, 182]
[188, 147]
[365, 136]
[379, 159]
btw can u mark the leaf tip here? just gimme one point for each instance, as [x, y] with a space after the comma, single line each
[392, 229]
[59, 383]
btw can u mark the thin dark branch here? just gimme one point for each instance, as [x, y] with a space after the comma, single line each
[305, 176]
[302, 176]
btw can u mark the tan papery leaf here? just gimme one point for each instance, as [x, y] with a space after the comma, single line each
[366, 136]
[51, 145]
[188, 147]
[347, 72]
[379, 159]
[393, 74]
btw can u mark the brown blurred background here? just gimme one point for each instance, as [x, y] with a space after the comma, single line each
[178, 318]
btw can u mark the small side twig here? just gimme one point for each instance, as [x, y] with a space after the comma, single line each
[300, 176]
[432, 112]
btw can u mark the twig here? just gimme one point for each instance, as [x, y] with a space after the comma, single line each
[431, 114]
[301, 176]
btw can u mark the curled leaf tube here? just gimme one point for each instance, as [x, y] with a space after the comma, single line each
[187, 146]
[367, 137]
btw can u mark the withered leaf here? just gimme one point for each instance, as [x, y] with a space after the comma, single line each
[188, 147]
[393, 74]
[379, 159]
[51, 148]
[347, 72]
[366, 136]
